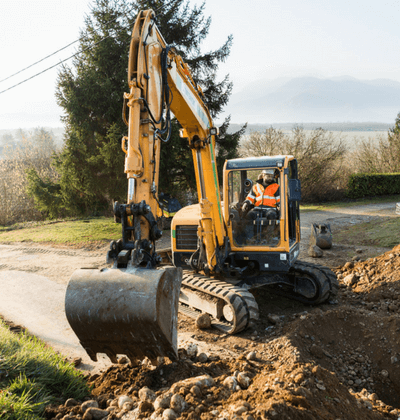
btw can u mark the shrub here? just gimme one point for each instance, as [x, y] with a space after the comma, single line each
[367, 185]
[33, 151]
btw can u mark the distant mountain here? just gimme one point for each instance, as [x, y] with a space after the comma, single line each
[312, 99]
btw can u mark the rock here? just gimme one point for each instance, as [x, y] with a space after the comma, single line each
[196, 391]
[202, 358]
[315, 252]
[97, 413]
[162, 401]
[230, 382]
[200, 381]
[146, 394]
[123, 360]
[192, 350]
[203, 321]
[169, 414]
[177, 403]
[385, 373]
[76, 361]
[251, 356]
[273, 319]
[88, 404]
[243, 380]
[71, 403]
[348, 266]
[350, 280]
[124, 399]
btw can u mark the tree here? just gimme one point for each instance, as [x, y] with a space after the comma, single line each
[319, 154]
[90, 92]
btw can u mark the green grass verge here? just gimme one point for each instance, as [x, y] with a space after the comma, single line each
[382, 233]
[32, 376]
[67, 232]
[349, 203]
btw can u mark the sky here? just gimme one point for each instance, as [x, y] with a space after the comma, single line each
[271, 39]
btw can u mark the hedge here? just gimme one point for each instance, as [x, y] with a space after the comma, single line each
[367, 185]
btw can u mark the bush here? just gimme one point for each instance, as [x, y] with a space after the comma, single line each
[33, 151]
[367, 185]
[320, 155]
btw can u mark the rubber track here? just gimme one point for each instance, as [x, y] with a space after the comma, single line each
[323, 277]
[240, 300]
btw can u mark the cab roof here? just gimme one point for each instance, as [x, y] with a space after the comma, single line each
[257, 162]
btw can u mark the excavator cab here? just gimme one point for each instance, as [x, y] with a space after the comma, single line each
[254, 222]
[262, 213]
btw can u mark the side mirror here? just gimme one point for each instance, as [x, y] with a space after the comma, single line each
[294, 190]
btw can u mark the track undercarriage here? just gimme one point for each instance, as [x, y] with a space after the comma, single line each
[233, 307]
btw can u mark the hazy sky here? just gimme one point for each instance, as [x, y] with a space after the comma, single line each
[272, 38]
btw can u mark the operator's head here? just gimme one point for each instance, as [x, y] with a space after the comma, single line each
[267, 176]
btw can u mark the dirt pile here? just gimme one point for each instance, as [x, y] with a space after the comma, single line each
[337, 361]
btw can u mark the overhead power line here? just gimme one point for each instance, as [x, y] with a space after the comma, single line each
[37, 62]
[61, 62]
[55, 65]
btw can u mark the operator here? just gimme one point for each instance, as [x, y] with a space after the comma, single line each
[264, 194]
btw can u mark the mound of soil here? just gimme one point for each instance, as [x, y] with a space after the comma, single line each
[338, 361]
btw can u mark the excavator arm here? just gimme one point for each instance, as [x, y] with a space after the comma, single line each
[132, 307]
[160, 83]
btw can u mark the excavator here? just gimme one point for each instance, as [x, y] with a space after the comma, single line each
[219, 249]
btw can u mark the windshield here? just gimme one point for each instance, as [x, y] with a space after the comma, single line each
[254, 206]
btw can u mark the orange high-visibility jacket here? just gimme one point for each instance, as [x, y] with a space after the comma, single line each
[260, 196]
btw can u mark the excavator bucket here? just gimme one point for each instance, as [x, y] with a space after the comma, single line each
[129, 311]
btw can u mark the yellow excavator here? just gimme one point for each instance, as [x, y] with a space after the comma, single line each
[220, 249]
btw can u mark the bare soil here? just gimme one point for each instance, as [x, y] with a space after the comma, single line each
[334, 361]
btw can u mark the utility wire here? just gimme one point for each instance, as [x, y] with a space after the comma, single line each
[63, 61]
[37, 62]
[55, 65]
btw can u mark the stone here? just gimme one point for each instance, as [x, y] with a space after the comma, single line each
[243, 380]
[97, 413]
[88, 404]
[350, 280]
[315, 252]
[203, 321]
[200, 381]
[251, 356]
[273, 319]
[146, 394]
[169, 414]
[177, 403]
[124, 399]
[202, 358]
[192, 350]
[162, 401]
[230, 382]
[123, 360]
[71, 402]
[196, 391]
[76, 361]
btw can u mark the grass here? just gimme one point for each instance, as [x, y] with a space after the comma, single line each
[382, 233]
[64, 232]
[33, 375]
[350, 203]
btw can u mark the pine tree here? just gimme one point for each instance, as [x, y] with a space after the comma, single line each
[91, 165]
